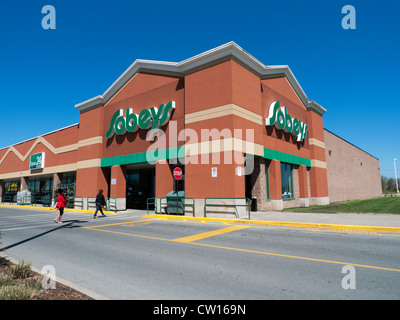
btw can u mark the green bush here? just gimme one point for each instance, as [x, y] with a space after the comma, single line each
[21, 271]
[5, 280]
[19, 292]
[16, 285]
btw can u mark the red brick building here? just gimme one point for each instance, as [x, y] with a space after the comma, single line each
[236, 127]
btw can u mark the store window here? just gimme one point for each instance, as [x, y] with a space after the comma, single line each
[41, 190]
[287, 181]
[69, 178]
[10, 190]
[68, 184]
[40, 187]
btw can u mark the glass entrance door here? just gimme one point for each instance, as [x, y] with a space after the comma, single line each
[140, 185]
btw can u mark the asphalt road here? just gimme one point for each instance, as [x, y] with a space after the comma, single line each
[127, 256]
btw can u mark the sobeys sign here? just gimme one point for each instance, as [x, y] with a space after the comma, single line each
[36, 161]
[153, 117]
[279, 117]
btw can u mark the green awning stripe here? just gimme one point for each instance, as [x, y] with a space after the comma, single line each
[143, 157]
[285, 157]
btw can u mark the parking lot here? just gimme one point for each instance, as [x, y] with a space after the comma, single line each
[130, 256]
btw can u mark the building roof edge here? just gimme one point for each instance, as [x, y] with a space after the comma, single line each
[184, 67]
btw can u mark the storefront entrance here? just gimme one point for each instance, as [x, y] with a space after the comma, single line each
[140, 185]
[41, 189]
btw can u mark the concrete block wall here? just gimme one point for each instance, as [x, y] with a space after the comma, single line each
[352, 173]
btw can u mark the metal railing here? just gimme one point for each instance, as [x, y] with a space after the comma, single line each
[45, 200]
[111, 203]
[151, 202]
[176, 202]
[9, 199]
[78, 200]
[89, 202]
[233, 205]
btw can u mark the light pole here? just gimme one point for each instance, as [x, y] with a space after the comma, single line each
[395, 174]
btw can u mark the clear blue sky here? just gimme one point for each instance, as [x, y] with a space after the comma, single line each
[352, 73]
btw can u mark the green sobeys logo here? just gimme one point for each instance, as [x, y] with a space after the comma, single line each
[153, 117]
[279, 117]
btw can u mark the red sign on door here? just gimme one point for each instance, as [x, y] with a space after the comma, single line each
[177, 173]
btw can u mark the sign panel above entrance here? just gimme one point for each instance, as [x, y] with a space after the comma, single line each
[36, 161]
[146, 119]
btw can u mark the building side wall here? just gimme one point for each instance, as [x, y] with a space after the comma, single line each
[352, 173]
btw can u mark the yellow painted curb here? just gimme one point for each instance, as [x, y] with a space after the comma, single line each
[282, 223]
[52, 209]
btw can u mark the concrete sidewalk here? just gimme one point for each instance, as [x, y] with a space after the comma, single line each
[351, 219]
[342, 221]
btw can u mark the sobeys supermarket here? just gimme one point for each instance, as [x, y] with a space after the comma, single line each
[243, 133]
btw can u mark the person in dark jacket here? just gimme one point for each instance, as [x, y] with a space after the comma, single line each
[100, 201]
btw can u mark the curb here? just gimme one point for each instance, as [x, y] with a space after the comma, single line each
[52, 209]
[282, 223]
[67, 283]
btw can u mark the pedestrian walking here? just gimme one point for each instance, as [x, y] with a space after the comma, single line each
[61, 201]
[100, 202]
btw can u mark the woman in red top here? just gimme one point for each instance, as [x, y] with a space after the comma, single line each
[61, 201]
